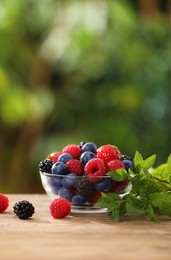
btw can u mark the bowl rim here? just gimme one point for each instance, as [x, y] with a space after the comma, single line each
[66, 175]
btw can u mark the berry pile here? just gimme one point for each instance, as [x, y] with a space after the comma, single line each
[79, 171]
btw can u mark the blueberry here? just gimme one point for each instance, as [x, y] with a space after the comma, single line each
[69, 180]
[89, 146]
[59, 168]
[103, 185]
[55, 182]
[65, 193]
[65, 157]
[78, 200]
[128, 163]
[123, 157]
[86, 156]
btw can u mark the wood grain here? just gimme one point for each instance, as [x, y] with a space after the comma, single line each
[80, 236]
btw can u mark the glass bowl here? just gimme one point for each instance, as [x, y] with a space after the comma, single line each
[79, 191]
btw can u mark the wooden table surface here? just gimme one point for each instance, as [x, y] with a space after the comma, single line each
[80, 236]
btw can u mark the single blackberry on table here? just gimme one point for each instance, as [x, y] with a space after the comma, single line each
[84, 188]
[23, 209]
[45, 165]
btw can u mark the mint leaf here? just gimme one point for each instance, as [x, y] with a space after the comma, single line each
[138, 159]
[150, 215]
[149, 162]
[134, 205]
[169, 164]
[162, 201]
[118, 175]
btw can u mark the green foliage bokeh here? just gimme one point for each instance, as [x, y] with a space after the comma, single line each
[105, 78]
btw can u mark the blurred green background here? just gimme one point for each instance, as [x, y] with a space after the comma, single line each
[74, 71]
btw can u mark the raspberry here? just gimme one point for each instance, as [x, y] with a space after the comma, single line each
[95, 197]
[73, 149]
[75, 166]
[59, 208]
[54, 156]
[119, 186]
[108, 153]
[95, 169]
[114, 165]
[4, 203]
[23, 209]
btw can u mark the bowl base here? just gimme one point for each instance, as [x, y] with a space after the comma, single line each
[87, 209]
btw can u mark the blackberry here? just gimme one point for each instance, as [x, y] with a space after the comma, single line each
[23, 209]
[45, 166]
[84, 188]
[123, 157]
[81, 144]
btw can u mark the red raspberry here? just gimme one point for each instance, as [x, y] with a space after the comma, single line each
[119, 186]
[54, 156]
[95, 197]
[114, 165]
[108, 153]
[59, 208]
[95, 169]
[4, 203]
[75, 166]
[73, 149]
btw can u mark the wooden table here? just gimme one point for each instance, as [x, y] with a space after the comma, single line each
[80, 236]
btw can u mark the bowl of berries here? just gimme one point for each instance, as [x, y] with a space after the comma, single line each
[81, 173]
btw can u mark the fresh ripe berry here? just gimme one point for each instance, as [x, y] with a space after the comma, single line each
[69, 180]
[95, 169]
[55, 184]
[81, 144]
[87, 156]
[45, 166]
[119, 186]
[128, 163]
[59, 168]
[108, 153]
[103, 185]
[73, 149]
[65, 193]
[4, 203]
[84, 187]
[24, 209]
[89, 146]
[78, 200]
[75, 166]
[54, 156]
[95, 197]
[126, 157]
[64, 157]
[114, 165]
[59, 208]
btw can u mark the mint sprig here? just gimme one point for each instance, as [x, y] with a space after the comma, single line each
[150, 192]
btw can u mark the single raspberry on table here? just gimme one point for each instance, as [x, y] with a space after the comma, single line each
[73, 149]
[114, 165]
[75, 166]
[95, 169]
[59, 208]
[4, 202]
[54, 156]
[108, 153]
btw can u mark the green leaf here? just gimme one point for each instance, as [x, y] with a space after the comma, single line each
[162, 172]
[150, 215]
[134, 205]
[162, 201]
[149, 162]
[108, 200]
[118, 175]
[169, 164]
[138, 159]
